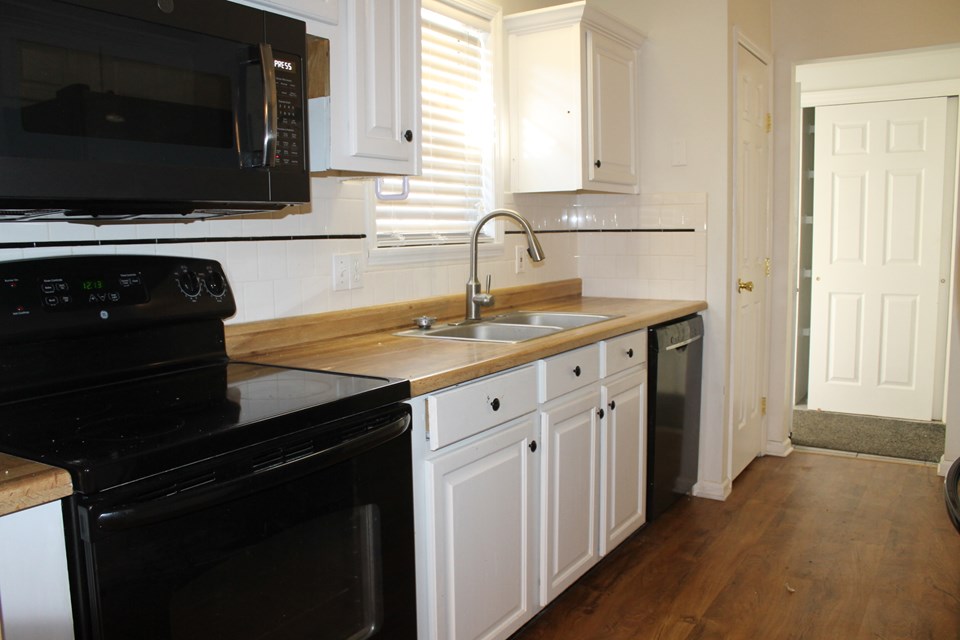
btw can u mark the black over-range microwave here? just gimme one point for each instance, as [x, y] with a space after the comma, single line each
[149, 108]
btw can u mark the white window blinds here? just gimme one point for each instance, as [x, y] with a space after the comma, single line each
[458, 132]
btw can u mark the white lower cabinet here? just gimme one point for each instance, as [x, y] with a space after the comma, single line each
[624, 435]
[623, 458]
[482, 500]
[525, 480]
[569, 490]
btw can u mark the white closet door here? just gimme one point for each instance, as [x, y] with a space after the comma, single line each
[878, 207]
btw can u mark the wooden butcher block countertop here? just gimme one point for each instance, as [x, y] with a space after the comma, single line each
[362, 341]
[25, 484]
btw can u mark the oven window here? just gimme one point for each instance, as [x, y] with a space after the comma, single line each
[332, 583]
[324, 555]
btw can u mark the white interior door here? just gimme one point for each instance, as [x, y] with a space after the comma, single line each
[751, 215]
[878, 207]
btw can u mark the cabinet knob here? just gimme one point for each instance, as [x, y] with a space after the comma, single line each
[533, 445]
[629, 353]
[576, 371]
[495, 404]
[600, 413]
[613, 405]
[597, 164]
[408, 135]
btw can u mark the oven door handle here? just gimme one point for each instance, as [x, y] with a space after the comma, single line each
[173, 506]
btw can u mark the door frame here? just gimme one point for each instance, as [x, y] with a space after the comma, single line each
[918, 73]
[742, 40]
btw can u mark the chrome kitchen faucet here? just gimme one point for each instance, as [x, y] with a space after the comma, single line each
[476, 299]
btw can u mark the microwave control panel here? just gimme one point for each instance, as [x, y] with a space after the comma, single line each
[290, 128]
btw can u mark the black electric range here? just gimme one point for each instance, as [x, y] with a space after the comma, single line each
[212, 498]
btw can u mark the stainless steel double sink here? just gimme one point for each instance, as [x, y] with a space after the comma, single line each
[514, 327]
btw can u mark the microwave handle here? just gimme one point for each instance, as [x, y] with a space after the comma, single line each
[269, 105]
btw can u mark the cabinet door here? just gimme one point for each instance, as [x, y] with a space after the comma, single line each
[380, 130]
[569, 490]
[623, 458]
[611, 154]
[483, 517]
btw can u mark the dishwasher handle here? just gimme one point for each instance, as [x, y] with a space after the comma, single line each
[680, 345]
[168, 507]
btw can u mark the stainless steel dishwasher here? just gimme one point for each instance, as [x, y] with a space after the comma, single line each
[673, 419]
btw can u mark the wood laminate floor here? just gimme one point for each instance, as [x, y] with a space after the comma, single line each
[810, 546]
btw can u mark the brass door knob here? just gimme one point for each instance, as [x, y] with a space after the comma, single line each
[741, 285]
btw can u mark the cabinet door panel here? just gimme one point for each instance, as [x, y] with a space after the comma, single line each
[483, 522]
[375, 88]
[569, 490]
[623, 459]
[612, 106]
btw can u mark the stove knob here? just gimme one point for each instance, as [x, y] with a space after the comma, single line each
[189, 283]
[215, 284]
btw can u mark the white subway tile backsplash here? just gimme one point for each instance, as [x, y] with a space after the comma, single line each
[242, 262]
[612, 250]
[271, 260]
[644, 262]
[256, 300]
[288, 298]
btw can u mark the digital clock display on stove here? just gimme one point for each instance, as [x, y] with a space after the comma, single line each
[96, 284]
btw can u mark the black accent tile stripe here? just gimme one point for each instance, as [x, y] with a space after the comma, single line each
[159, 241]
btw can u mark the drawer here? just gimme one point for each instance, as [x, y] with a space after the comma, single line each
[468, 409]
[568, 371]
[621, 353]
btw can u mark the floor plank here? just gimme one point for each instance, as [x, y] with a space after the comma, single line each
[810, 546]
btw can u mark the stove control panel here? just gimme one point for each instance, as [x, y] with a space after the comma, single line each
[49, 297]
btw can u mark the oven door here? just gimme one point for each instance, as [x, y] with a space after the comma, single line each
[119, 101]
[320, 547]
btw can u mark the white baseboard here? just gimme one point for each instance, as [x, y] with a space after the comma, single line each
[944, 465]
[781, 449]
[713, 490]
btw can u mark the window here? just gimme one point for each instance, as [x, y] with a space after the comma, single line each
[458, 127]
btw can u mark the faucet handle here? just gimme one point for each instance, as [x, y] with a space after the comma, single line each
[485, 299]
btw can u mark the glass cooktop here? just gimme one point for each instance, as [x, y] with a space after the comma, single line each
[115, 434]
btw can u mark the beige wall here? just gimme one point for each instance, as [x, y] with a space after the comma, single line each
[812, 30]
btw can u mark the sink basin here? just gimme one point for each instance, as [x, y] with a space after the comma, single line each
[550, 318]
[485, 332]
[511, 327]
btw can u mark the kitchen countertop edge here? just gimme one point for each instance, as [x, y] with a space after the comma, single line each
[25, 484]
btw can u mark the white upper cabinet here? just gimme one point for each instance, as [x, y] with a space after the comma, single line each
[574, 76]
[375, 89]
[324, 10]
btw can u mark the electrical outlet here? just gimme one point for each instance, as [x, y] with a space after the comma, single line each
[520, 263]
[356, 270]
[341, 273]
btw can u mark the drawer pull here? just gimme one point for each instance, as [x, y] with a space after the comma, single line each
[533, 445]
[600, 413]
[495, 404]
[576, 371]
[629, 353]
[613, 405]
